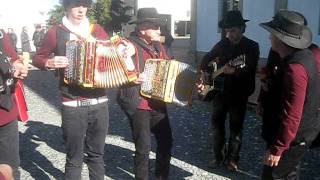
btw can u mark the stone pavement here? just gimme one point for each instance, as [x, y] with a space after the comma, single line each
[43, 155]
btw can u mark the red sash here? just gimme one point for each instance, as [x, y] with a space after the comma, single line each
[21, 102]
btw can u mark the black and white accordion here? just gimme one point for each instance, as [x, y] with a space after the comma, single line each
[96, 64]
[170, 81]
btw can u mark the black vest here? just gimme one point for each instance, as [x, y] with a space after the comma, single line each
[6, 80]
[310, 123]
[72, 91]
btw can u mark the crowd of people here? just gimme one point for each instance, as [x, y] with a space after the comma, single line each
[26, 41]
[290, 80]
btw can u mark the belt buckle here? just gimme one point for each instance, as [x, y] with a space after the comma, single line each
[85, 102]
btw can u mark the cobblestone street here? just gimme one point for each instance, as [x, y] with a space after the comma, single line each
[43, 155]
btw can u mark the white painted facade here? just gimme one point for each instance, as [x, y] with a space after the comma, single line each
[257, 11]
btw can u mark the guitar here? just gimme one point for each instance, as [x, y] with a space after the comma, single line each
[207, 93]
[21, 102]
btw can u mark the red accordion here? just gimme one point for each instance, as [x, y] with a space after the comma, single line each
[96, 64]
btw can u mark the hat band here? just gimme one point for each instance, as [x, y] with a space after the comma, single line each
[288, 34]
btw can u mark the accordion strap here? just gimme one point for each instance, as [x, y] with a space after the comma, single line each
[142, 45]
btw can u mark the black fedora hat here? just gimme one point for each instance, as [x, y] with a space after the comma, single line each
[232, 19]
[290, 27]
[148, 15]
[75, 3]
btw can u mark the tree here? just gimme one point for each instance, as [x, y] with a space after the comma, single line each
[119, 14]
[98, 13]
[55, 15]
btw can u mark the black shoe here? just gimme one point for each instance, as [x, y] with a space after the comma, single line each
[215, 163]
[232, 165]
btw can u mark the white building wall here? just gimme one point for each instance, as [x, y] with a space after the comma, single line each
[207, 24]
[311, 10]
[258, 12]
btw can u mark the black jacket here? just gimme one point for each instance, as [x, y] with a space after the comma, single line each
[242, 83]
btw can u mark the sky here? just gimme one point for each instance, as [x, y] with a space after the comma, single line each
[19, 13]
[180, 9]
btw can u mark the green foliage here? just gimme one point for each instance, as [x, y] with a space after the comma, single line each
[100, 13]
[55, 15]
[110, 14]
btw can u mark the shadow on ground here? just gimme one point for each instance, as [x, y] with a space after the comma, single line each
[192, 140]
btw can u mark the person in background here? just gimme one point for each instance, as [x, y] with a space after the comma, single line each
[37, 36]
[147, 115]
[25, 40]
[13, 37]
[236, 86]
[297, 123]
[11, 67]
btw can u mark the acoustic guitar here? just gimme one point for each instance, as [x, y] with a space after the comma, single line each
[208, 91]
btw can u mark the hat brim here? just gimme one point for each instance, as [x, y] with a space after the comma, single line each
[229, 25]
[158, 21]
[303, 42]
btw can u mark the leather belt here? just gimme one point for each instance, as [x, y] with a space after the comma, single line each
[85, 102]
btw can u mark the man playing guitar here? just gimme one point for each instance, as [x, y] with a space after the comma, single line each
[238, 84]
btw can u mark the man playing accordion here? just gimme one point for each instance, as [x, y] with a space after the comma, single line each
[147, 115]
[85, 116]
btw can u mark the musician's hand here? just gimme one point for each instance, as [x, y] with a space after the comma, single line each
[140, 79]
[270, 159]
[199, 83]
[200, 87]
[228, 69]
[20, 70]
[57, 62]
[130, 49]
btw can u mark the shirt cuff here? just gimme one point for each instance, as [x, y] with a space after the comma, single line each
[276, 151]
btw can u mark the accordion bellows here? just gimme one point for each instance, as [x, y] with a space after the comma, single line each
[95, 64]
[169, 81]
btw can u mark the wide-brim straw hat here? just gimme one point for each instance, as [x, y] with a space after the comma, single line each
[289, 27]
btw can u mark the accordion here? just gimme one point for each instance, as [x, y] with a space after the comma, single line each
[169, 81]
[96, 64]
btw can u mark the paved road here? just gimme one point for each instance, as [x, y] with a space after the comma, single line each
[42, 149]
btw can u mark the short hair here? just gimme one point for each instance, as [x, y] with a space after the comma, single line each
[75, 3]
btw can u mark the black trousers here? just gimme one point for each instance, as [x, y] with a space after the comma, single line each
[289, 164]
[84, 133]
[9, 147]
[236, 110]
[143, 123]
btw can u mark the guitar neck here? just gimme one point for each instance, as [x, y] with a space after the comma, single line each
[217, 72]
